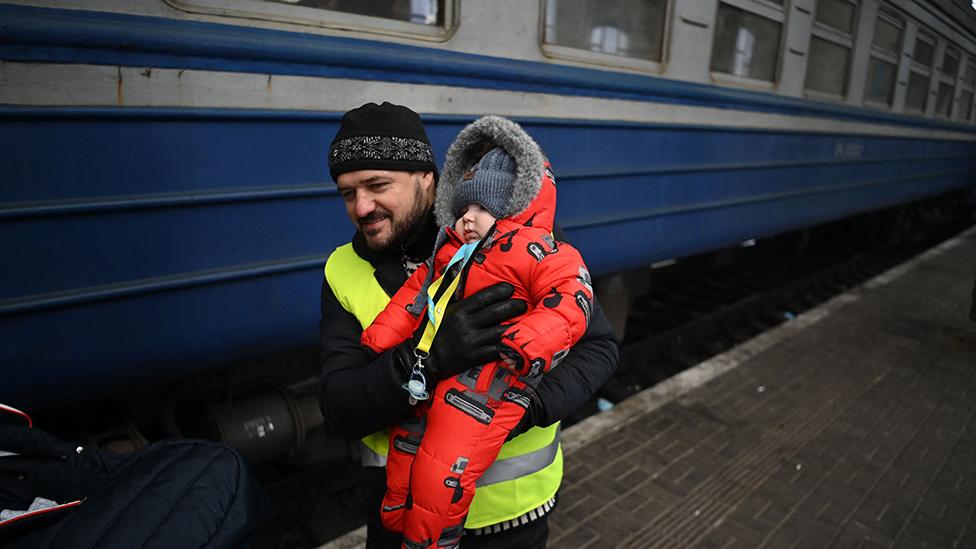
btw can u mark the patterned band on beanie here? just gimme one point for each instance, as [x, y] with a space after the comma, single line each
[380, 147]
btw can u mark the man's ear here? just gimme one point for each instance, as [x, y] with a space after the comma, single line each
[427, 180]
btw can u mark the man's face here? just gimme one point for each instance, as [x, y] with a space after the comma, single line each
[386, 205]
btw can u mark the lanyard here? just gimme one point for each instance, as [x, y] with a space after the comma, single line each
[437, 300]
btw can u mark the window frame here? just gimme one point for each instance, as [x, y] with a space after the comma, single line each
[964, 65]
[766, 9]
[923, 70]
[888, 56]
[958, 55]
[925, 36]
[280, 12]
[949, 79]
[840, 38]
[970, 63]
[855, 18]
[569, 53]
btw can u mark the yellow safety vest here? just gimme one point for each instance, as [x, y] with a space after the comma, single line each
[527, 472]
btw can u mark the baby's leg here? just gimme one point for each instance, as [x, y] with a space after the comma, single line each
[465, 431]
[405, 438]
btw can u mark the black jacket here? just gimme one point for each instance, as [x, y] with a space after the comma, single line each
[360, 394]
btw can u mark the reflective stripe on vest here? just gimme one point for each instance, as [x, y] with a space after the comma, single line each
[519, 466]
[528, 469]
[504, 468]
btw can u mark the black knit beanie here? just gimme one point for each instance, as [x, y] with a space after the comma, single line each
[380, 137]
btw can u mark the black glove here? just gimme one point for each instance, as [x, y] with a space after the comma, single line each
[47, 466]
[469, 334]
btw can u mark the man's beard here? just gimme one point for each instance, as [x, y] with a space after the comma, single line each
[403, 231]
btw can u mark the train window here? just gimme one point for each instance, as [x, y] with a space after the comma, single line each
[950, 62]
[943, 100]
[917, 96]
[623, 28]
[423, 18]
[924, 50]
[746, 44]
[421, 12]
[887, 33]
[947, 82]
[920, 76]
[965, 104]
[829, 54]
[969, 75]
[881, 82]
[827, 67]
[967, 82]
[838, 14]
[883, 64]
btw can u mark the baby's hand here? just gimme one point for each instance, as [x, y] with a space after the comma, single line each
[512, 362]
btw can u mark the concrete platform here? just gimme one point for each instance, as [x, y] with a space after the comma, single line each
[850, 426]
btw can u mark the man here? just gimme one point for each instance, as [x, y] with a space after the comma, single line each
[384, 168]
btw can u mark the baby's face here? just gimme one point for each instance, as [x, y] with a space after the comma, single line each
[474, 223]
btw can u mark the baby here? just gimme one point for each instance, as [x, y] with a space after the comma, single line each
[496, 222]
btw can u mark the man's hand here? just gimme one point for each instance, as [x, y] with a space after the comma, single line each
[472, 329]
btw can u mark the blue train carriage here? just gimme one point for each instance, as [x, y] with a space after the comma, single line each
[166, 207]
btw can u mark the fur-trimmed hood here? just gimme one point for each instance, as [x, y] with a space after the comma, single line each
[533, 200]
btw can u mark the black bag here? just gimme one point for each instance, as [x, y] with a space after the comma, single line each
[174, 493]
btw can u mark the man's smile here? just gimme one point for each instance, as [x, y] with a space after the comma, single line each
[372, 223]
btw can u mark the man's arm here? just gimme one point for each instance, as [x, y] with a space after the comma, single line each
[589, 365]
[562, 303]
[360, 391]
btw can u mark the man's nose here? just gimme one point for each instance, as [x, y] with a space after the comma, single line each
[364, 204]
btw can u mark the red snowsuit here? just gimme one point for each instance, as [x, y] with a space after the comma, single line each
[437, 455]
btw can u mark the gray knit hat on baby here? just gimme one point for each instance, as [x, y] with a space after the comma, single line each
[490, 183]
